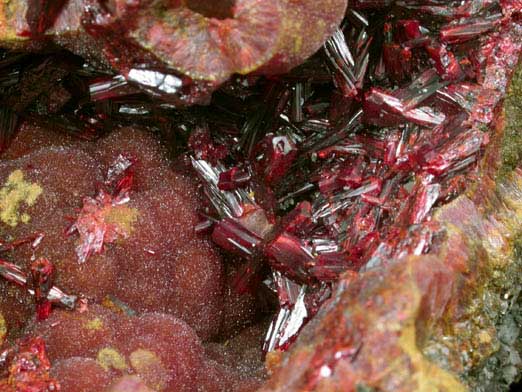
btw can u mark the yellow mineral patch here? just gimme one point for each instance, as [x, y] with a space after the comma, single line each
[109, 358]
[94, 325]
[429, 377]
[484, 337]
[122, 216]
[3, 329]
[150, 368]
[15, 192]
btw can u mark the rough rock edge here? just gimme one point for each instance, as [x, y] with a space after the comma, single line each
[504, 291]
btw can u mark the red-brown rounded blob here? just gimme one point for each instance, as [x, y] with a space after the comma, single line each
[161, 265]
[74, 334]
[161, 352]
[164, 351]
[31, 137]
[245, 42]
[165, 267]
[78, 374]
[303, 18]
[238, 36]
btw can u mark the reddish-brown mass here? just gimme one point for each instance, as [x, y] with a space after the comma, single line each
[210, 41]
[161, 266]
[80, 374]
[159, 351]
[155, 262]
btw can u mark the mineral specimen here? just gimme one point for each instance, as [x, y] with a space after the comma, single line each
[361, 194]
[25, 368]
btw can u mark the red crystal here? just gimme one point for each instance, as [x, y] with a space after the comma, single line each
[12, 273]
[203, 146]
[445, 62]
[233, 236]
[398, 61]
[232, 179]
[94, 226]
[42, 271]
[287, 254]
[41, 15]
[328, 267]
[276, 156]
[468, 28]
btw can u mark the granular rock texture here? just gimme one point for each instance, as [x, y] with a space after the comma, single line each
[158, 265]
[80, 374]
[99, 348]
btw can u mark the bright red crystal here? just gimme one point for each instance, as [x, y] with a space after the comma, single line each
[41, 15]
[277, 154]
[41, 279]
[288, 255]
[27, 368]
[232, 179]
[94, 224]
[330, 171]
[233, 236]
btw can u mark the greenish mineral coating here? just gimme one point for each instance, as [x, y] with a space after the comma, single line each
[512, 142]
[502, 294]
[485, 345]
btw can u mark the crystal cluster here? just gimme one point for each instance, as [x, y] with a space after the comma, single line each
[352, 174]
[26, 368]
[316, 179]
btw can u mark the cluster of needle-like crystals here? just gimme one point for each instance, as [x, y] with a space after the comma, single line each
[117, 226]
[347, 177]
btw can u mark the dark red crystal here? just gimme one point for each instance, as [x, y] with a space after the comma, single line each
[42, 271]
